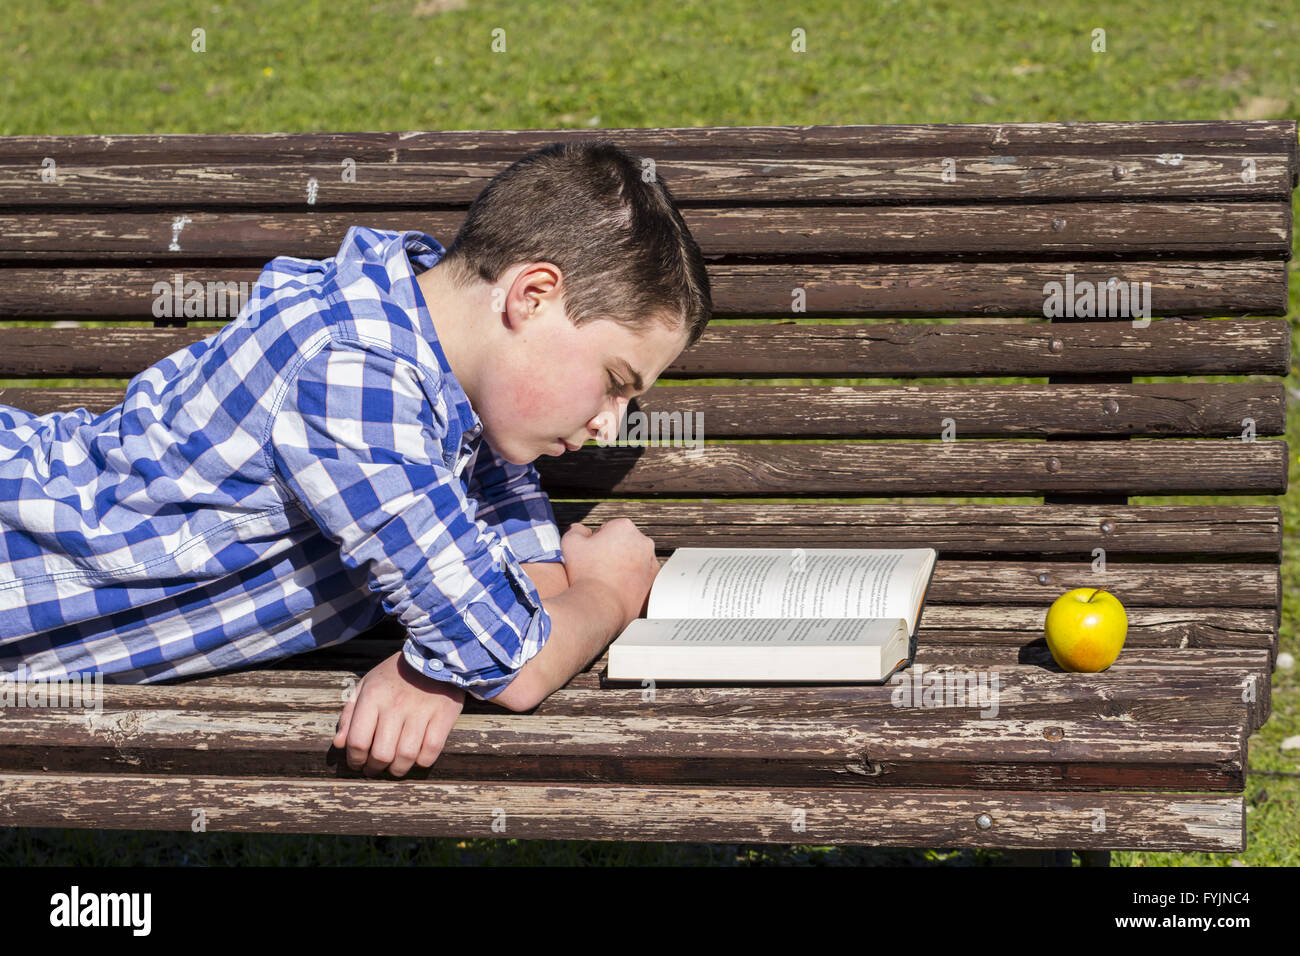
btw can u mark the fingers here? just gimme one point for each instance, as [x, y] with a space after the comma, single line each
[580, 529]
[383, 748]
[361, 732]
[345, 719]
[411, 745]
[435, 735]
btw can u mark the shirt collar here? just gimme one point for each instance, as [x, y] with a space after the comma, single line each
[410, 254]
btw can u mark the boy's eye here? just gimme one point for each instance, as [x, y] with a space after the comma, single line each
[615, 384]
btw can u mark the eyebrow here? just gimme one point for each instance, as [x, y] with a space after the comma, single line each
[632, 373]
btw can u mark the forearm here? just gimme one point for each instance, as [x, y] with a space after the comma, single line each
[549, 577]
[584, 619]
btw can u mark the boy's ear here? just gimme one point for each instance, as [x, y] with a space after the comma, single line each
[540, 279]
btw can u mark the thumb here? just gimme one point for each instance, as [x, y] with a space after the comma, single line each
[581, 529]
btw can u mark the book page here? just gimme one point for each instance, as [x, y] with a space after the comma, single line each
[713, 632]
[788, 583]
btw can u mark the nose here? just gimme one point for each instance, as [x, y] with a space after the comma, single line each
[605, 424]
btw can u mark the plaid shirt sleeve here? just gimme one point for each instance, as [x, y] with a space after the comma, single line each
[356, 439]
[513, 504]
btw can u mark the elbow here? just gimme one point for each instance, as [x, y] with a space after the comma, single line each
[519, 695]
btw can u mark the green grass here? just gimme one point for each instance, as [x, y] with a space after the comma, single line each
[126, 68]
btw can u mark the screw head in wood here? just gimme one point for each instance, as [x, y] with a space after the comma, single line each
[1107, 526]
[1053, 733]
[1053, 465]
[984, 821]
[1045, 578]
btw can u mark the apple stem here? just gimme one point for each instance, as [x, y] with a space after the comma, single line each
[1094, 594]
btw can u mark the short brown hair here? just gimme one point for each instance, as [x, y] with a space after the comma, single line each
[623, 247]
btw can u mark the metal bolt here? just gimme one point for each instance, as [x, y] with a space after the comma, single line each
[1045, 578]
[1053, 733]
[1057, 346]
[984, 821]
[1118, 171]
[1058, 225]
[1107, 526]
[1110, 406]
[1053, 465]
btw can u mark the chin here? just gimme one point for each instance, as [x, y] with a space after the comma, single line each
[507, 450]
[515, 458]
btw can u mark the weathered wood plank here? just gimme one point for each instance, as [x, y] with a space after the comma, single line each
[1111, 173]
[998, 648]
[1197, 745]
[697, 142]
[1033, 230]
[988, 635]
[964, 411]
[1228, 673]
[961, 411]
[1012, 628]
[1004, 689]
[968, 468]
[1241, 286]
[1137, 584]
[1166, 347]
[1194, 532]
[1204, 641]
[822, 816]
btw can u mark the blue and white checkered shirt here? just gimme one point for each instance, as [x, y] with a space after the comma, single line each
[281, 486]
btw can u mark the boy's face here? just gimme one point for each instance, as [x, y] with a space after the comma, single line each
[545, 382]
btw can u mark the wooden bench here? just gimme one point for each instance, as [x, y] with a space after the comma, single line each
[940, 241]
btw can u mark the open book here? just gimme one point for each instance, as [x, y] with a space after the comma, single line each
[778, 614]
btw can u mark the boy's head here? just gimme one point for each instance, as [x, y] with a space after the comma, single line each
[570, 263]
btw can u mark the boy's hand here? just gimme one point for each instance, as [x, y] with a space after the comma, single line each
[617, 556]
[396, 718]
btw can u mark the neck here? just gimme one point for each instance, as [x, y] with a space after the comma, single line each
[452, 310]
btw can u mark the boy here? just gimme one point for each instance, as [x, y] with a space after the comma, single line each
[359, 443]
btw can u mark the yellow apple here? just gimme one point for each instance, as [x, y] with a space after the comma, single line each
[1085, 629]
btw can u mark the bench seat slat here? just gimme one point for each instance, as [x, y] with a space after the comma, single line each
[1197, 641]
[1140, 691]
[323, 668]
[984, 634]
[1195, 744]
[877, 817]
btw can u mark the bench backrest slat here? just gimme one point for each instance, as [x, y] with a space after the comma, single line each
[1193, 287]
[923, 226]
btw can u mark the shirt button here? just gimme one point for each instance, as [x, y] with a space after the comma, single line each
[436, 665]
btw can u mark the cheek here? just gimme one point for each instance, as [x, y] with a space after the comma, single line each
[527, 396]
[559, 400]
